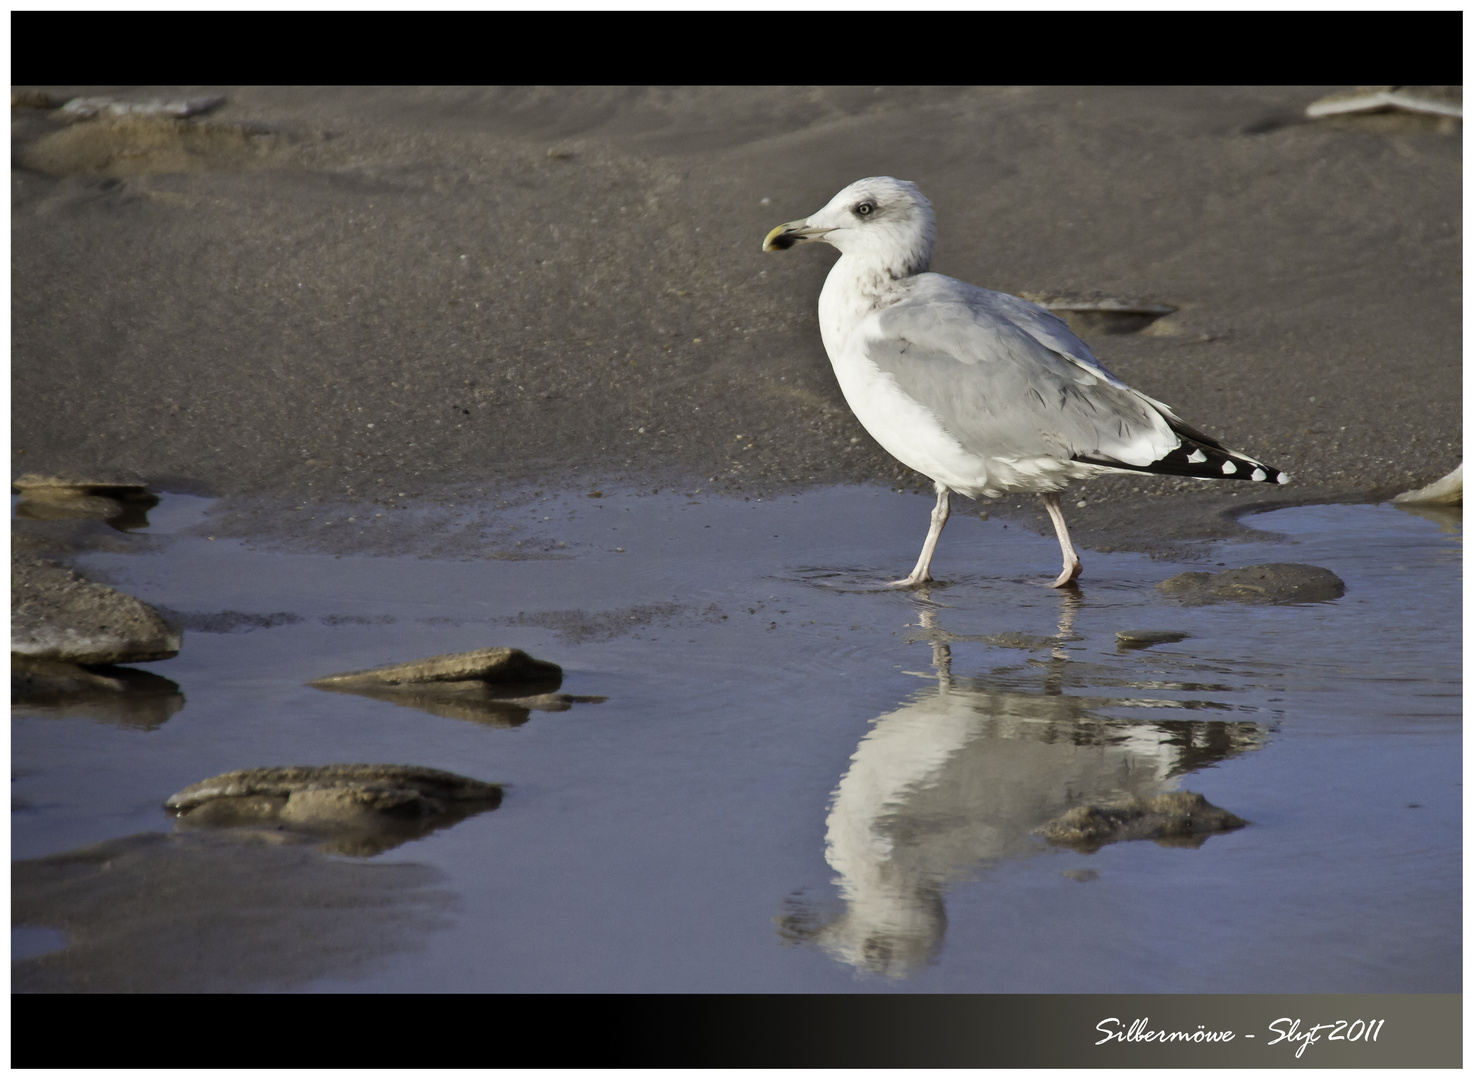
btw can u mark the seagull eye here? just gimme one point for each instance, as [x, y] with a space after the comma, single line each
[865, 209]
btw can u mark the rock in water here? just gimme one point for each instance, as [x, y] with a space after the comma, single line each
[1266, 583]
[121, 498]
[498, 665]
[1141, 639]
[358, 809]
[1183, 817]
[56, 614]
[497, 687]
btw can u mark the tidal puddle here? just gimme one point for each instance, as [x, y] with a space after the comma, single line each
[797, 781]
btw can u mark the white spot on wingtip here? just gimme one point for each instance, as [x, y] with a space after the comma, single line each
[1229, 468]
[1283, 478]
[1259, 474]
[1197, 456]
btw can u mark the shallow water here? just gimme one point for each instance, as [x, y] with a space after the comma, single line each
[802, 782]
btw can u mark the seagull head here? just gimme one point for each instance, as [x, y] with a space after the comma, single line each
[879, 220]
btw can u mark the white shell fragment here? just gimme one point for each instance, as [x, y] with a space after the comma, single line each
[1447, 491]
[1437, 100]
[85, 108]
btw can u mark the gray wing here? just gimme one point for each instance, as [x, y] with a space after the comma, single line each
[1002, 389]
[1053, 332]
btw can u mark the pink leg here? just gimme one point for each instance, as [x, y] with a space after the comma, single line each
[939, 513]
[1073, 565]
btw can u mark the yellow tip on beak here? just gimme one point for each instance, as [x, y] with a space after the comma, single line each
[789, 233]
[768, 244]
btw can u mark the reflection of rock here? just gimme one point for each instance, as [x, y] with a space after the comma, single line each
[1449, 519]
[359, 809]
[1445, 491]
[56, 614]
[1267, 583]
[116, 695]
[498, 687]
[200, 911]
[1174, 817]
[478, 702]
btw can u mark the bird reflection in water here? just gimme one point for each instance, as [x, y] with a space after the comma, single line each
[958, 778]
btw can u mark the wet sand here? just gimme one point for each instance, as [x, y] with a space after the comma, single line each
[420, 297]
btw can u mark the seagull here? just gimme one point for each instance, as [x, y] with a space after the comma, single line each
[984, 392]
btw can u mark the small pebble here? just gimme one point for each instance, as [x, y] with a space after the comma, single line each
[1140, 639]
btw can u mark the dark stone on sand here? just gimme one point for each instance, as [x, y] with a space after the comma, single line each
[1266, 583]
[1141, 639]
[1175, 818]
[56, 614]
[357, 809]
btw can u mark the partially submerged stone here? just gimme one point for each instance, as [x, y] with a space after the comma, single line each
[50, 497]
[56, 614]
[1445, 491]
[498, 687]
[497, 665]
[1141, 639]
[1266, 583]
[358, 809]
[1182, 818]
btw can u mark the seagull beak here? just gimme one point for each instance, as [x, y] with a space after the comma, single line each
[792, 232]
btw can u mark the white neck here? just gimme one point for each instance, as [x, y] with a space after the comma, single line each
[855, 287]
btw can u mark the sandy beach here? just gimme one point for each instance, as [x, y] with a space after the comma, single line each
[345, 294]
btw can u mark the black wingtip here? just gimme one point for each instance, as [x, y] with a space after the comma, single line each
[1203, 462]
